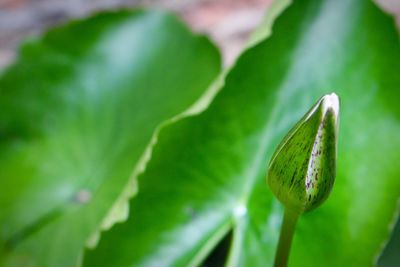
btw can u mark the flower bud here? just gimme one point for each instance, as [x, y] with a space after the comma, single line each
[302, 170]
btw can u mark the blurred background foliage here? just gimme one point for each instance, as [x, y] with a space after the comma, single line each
[228, 23]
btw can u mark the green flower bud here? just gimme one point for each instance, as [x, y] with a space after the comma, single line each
[303, 168]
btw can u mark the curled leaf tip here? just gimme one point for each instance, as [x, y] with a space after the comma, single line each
[302, 170]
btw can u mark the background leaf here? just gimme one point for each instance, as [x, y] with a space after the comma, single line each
[390, 255]
[78, 110]
[207, 174]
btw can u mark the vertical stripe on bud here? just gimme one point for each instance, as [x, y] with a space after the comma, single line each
[303, 168]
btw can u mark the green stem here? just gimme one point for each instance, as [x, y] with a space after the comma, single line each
[285, 238]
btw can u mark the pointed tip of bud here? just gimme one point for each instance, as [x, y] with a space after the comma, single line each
[330, 102]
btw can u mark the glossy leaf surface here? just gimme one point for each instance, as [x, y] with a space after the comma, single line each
[207, 174]
[78, 110]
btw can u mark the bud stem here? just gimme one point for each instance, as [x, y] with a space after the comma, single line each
[285, 238]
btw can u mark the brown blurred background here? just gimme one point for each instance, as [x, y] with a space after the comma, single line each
[227, 22]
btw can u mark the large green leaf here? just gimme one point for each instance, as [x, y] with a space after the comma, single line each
[78, 111]
[207, 174]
